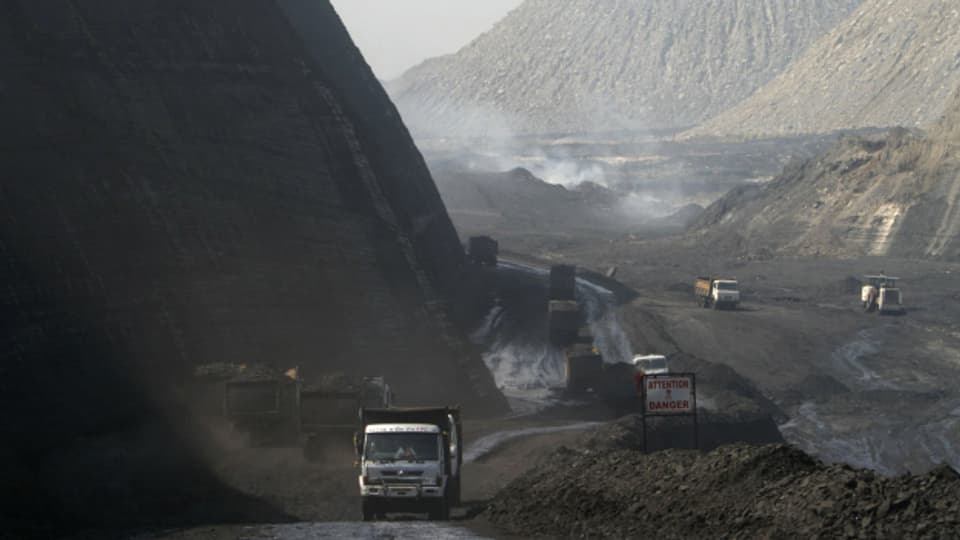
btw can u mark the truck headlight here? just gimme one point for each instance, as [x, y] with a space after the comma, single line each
[370, 481]
[431, 480]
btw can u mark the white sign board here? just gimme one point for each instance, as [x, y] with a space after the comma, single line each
[669, 394]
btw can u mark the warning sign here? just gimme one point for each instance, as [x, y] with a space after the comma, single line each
[669, 394]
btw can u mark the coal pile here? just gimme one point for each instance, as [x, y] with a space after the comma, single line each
[738, 491]
[193, 184]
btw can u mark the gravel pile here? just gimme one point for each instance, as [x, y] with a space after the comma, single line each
[737, 491]
[888, 64]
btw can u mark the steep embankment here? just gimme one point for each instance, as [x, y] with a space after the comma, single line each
[894, 195]
[890, 63]
[583, 65]
[190, 182]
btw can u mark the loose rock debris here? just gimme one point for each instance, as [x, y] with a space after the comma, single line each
[736, 491]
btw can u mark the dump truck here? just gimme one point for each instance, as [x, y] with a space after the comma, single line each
[329, 410]
[582, 367]
[482, 250]
[409, 461]
[563, 282]
[563, 311]
[613, 383]
[881, 294]
[718, 293]
[263, 405]
[563, 321]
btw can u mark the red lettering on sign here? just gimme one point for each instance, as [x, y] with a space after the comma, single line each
[665, 384]
[667, 405]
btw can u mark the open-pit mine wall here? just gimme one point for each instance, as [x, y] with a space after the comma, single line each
[897, 195]
[198, 182]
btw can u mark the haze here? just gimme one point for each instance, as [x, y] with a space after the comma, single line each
[395, 36]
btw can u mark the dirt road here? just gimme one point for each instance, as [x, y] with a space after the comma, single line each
[860, 388]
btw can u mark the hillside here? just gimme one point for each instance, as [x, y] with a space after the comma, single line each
[583, 65]
[189, 183]
[898, 195]
[890, 63]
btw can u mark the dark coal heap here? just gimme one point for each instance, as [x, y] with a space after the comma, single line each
[738, 491]
[189, 183]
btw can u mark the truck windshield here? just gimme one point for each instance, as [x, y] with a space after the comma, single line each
[401, 447]
[727, 285]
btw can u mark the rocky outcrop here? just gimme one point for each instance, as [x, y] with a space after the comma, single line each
[889, 64]
[897, 194]
[197, 182]
[588, 66]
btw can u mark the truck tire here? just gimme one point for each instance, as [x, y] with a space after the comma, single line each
[367, 510]
[455, 492]
[440, 510]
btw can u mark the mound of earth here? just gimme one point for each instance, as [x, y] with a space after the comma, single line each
[580, 65]
[516, 200]
[737, 491]
[894, 195]
[888, 64]
[245, 195]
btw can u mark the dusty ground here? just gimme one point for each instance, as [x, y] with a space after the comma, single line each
[861, 388]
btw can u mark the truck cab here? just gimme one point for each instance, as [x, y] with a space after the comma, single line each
[726, 292]
[880, 293]
[409, 461]
[717, 292]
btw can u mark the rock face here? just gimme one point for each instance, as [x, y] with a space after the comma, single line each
[583, 65]
[894, 195]
[889, 64]
[196, 182]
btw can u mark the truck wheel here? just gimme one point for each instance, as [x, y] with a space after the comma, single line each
[367, 509]
[440, 510]
[455, 492]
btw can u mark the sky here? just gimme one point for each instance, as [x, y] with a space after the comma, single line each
[395, 35]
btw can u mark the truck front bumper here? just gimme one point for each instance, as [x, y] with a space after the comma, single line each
[400, 491]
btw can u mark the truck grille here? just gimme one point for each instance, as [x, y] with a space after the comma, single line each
[402, 474]
[401, 477]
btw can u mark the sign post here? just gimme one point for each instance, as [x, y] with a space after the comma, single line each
[673, 394]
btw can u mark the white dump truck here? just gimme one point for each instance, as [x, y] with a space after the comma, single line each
[717, 292]
[409, 461]
[880, 293]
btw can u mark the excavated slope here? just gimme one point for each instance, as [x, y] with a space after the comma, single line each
[890, 63]
[584, 65]
[893, 195]
[189, 183]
